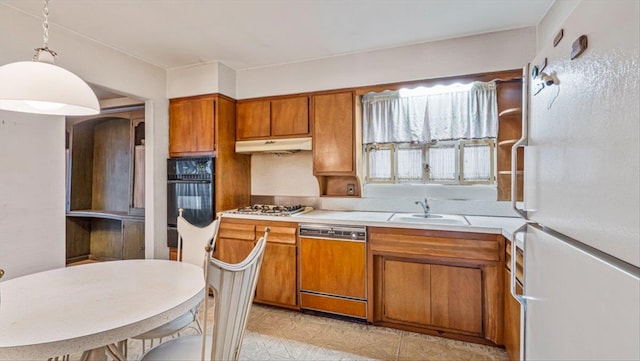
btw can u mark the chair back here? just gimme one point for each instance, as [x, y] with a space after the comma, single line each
[192, 240]
[233, 286]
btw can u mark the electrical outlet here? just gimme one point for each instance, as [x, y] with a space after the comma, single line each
[351, 189]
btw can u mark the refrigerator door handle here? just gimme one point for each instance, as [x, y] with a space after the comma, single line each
[522, 142]
[513, 279]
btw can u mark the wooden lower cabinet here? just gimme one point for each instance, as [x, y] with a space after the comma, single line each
[235, 242]
[442, 283]
[511, 306]
[511, 320]
[456, 298]
[277, 282]
[133, 239]
[405, 296]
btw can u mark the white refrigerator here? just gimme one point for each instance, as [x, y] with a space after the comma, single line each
[581, 294]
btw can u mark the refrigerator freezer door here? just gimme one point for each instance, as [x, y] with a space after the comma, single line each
[582, 159]
[578, 307]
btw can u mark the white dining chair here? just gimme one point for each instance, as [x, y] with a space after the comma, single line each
[234, 287]
[192, 241]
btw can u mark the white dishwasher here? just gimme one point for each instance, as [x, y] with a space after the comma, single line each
[333, 269]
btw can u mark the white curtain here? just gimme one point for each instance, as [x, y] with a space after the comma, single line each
[470, 113]
[409, 164]
[380, 164]
[390, 118]
[442, 163]
[477, 162]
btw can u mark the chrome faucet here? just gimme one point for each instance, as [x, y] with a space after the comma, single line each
[425, 207]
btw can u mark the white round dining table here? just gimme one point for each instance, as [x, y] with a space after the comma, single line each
[87, 307]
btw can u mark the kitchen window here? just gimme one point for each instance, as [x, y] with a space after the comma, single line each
[442, 135]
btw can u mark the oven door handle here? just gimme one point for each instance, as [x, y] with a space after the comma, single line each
[183, 181]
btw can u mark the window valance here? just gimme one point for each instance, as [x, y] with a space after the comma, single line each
[424, 115]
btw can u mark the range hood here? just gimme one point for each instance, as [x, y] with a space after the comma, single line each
[273, 146]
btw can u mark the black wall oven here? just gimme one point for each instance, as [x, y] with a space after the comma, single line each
[190, 186]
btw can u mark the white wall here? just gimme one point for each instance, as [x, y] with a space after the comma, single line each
[292, 175]
[201, 79]
[474, 54]
[97, 64]
[32, 194]
[551, 23]
[288, 175]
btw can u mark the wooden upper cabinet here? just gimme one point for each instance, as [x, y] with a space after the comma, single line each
[192, 126]
[333, 134]
[290, 116]
[253, 119]
[273, 118]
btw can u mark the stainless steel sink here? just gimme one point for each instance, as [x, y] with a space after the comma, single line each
[419, 218]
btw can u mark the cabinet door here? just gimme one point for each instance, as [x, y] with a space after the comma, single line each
[203, 124]
[277, 280]
[233, 250]
[277, 283]
[132, 239]
[407, 292]
[180, 127]
[333, 132]
[235, 242]
[290, 117]
[456, 298]
[253, 119]
[191, 126]
[511, 319]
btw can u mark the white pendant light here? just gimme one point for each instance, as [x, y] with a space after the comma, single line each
[40, 87]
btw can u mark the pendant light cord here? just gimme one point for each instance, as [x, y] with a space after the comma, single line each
[45, 24]
[45, 27]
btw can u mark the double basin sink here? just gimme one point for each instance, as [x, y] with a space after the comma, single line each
[419, 218]
[413, 218]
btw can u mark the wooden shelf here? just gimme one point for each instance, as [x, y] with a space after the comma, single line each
[95, 213]
[509, 142]
[510, 111]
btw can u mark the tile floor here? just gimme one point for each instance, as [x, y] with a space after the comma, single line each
[277, 334]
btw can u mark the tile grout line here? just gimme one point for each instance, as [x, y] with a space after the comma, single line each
[399, 345]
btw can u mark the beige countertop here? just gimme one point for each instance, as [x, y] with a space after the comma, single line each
[476, 224]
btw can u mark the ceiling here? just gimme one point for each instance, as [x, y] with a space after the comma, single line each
[244, 34]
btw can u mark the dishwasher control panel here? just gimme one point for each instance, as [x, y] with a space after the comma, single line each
[354, 233]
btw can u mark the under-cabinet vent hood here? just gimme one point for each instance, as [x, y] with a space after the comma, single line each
[273, 146]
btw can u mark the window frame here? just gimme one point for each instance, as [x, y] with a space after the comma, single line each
[443, 144]
[492, 155]
[367, 150]
[458, 146]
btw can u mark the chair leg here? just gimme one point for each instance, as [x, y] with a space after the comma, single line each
[85, 356]
[123, 347]
[199, 327]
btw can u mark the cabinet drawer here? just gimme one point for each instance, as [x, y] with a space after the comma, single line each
[285, 235]
[415, 242]
[237, 231]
